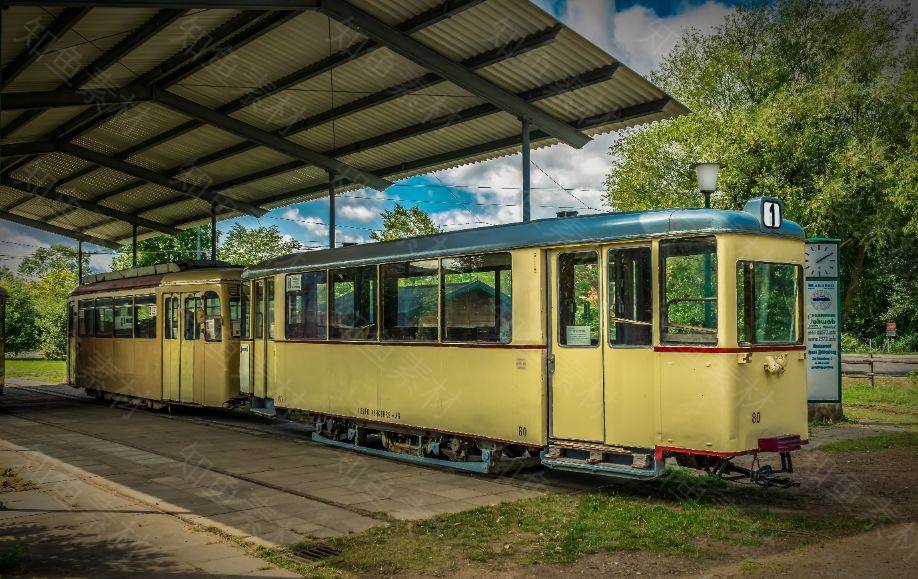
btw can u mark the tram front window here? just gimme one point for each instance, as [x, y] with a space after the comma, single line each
[768, 303]
[688, 278]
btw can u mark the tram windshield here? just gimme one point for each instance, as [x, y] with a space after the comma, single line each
[768, 302]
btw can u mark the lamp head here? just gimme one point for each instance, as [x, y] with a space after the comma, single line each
[707, 176]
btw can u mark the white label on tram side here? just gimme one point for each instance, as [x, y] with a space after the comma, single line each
[153, 310]
[294, 283]
[822, 347]
[578, 336]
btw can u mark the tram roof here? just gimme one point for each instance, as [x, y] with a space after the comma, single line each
[146, 113]
[598, 228]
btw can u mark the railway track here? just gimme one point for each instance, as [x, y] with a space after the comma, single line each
[537, 479]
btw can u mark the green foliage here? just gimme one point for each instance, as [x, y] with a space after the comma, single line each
[20, 329]
[245, 246]
[813, 102]
[49, 296]
[165, 249]
[46, 259]
[51, 371]
[400, 222]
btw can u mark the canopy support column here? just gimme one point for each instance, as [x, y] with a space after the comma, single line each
[80, 262]
[331, 209]
[133, 245]
[526, 165]
[213, 232]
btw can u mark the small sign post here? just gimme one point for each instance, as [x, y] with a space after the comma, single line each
[822, 310]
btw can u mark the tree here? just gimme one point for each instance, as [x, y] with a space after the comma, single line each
[245, 246]
[400, 223]
[49, 297]
[20, 330]
[807, 100]
[165, 249]
[45, 259]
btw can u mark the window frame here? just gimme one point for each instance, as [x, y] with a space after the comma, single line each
[689, 339]
[153, 315]
[197, 323]
[129, 300]
[88, 329]
[287, 295]
[442, 300]
[382, 311]
[218, 328]
[749, 305]
[330, 327]
[96, 311]
[610, 302]
[599, 282]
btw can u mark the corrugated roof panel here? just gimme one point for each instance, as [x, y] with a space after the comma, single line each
[196, 143]
[242, 164]
[20, 26]
[98, 182]
[180, 211]
[40, 209]
[296, 179]
[131, 125]
[393, 12]
[44, 124]
[10, 197]
[143, 196]
[49, 168]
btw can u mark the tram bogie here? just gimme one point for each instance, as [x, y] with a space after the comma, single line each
[603, 344]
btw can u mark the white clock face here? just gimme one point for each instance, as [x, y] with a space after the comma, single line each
[821, 260]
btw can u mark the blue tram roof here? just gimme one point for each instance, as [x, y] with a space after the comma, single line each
[602, 227]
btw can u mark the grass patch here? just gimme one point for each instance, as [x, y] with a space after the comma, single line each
[892, 399]
[10, 482]
[52, 371]
[878, 442]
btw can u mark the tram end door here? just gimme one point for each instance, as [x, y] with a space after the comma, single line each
[191, 361]
[262, 345]
[576, 410]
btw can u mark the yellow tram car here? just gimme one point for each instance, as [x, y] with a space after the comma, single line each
[601, 343]
[158, 335]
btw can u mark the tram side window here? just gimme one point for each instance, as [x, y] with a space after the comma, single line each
[768, 303]
[235, 311]
[269, 292]
[578, 299]
[192, 329]
[145, 316]
[171, 318]
[86, 318]
[104, 321]
[307, 311]
[245, 325]
[689, 290]
[353, 304]
[477, 298]
[213, 318]
[124, 317]
[630, 297]
[409, 301]
[259, 325]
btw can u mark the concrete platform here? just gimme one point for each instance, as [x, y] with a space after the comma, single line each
[134, 483]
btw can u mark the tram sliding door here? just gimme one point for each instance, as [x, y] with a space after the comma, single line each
[260, 340]
[191, 355]
[171, 346]
[577, 411]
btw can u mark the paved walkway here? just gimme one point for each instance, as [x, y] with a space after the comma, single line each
[248, 481]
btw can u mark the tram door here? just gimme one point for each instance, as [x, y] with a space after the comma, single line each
[72, 323]
[171, 346]
[191, 351]
[577, 411]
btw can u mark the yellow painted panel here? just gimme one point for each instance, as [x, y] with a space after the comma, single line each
[631, 397]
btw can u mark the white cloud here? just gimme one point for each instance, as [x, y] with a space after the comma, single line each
[356, 212]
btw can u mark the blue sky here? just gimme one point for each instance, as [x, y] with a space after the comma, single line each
[637, 32]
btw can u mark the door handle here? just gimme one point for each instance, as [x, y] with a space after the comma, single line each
[550, 363]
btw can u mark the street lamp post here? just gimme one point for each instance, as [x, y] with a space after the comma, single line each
[707, 183]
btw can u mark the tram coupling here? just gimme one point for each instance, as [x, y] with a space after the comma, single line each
[759, 474]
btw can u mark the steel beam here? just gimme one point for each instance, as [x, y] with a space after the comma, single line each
[548, 90]
[188, 189]
[267, 139]
[186, 4]
[423, 55]
[74, 98]
[419, 22]
[147, 30]
[526, 166]
[40, 41]
[28, 148]
[331, 209]
[42, 226]
[55, 195]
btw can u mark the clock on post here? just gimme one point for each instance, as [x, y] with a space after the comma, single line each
[822, 306]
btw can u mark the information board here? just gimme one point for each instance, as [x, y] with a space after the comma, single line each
[822, 313]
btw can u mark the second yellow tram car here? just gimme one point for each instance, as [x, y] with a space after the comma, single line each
[602, 343]
[158, 335]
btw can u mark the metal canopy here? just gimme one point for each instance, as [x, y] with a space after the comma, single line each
[154, 115]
